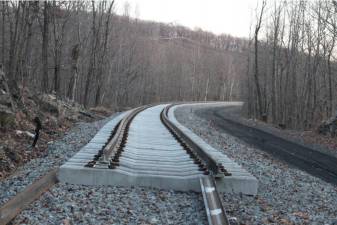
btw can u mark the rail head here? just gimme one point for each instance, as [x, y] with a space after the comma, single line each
[216, 214]
[214, 168]
[215, 211]
[113, 149]
[110, 152]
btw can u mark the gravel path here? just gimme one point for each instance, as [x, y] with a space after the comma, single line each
[76, 204]
[58, 152]
[286, 194]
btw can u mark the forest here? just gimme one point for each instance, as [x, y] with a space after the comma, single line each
[292, 63]
[82, 51]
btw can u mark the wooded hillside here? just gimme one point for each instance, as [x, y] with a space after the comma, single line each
[292, 72]
[83, 51]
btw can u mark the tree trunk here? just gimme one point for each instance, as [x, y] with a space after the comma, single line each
[92, 63]
[103, 58]
[206, 91]
[45, 44]
[3, 32]
[74, 68]
[256, 72]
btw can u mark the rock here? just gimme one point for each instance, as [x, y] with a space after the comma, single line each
[233, 221]
[51, 122]
[27, 133]
[7, 158]
[12, 155]
[154, 220]
[18, 132]
[7, 117]
[5, 100]
[66, 222]
[334, 222]
[49, 104]
[329, 126]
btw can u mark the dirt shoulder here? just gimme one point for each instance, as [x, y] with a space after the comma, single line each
[17, 127]
[310, 138]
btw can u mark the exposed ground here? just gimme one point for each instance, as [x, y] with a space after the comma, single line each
[286, 194]
[56, 153]
[311, 138]
[315, 162]
[17, 126]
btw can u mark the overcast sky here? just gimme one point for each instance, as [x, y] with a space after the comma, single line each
[218, 16]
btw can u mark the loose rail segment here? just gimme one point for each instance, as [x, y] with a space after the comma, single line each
[22, 200]
[216, 214]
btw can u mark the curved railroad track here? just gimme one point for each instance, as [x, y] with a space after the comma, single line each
[180, 158]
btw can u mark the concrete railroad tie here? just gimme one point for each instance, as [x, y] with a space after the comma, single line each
[153, 158]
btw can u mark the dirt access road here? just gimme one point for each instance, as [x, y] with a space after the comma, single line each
[314, 162]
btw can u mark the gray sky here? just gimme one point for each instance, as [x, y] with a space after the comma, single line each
[218, 16]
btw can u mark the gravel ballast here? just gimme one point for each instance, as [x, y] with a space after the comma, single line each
[76, 204]
[286, 195]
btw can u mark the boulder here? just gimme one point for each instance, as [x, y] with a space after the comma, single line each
[7, 157]
[49, 104]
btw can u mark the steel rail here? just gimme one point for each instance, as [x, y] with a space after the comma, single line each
[186, 142]
[117, 138]
[113, 150]
[216, 214]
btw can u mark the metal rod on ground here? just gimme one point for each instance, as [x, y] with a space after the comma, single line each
[216, 214]
[37, 130]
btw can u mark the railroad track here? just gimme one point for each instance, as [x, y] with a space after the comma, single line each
[144, 148]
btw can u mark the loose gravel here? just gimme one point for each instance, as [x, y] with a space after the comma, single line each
[286, 195]
[76, 204]
[57, 153]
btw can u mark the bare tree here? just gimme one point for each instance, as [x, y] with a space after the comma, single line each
[103, 59]
[45, 46]
[256, 72]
